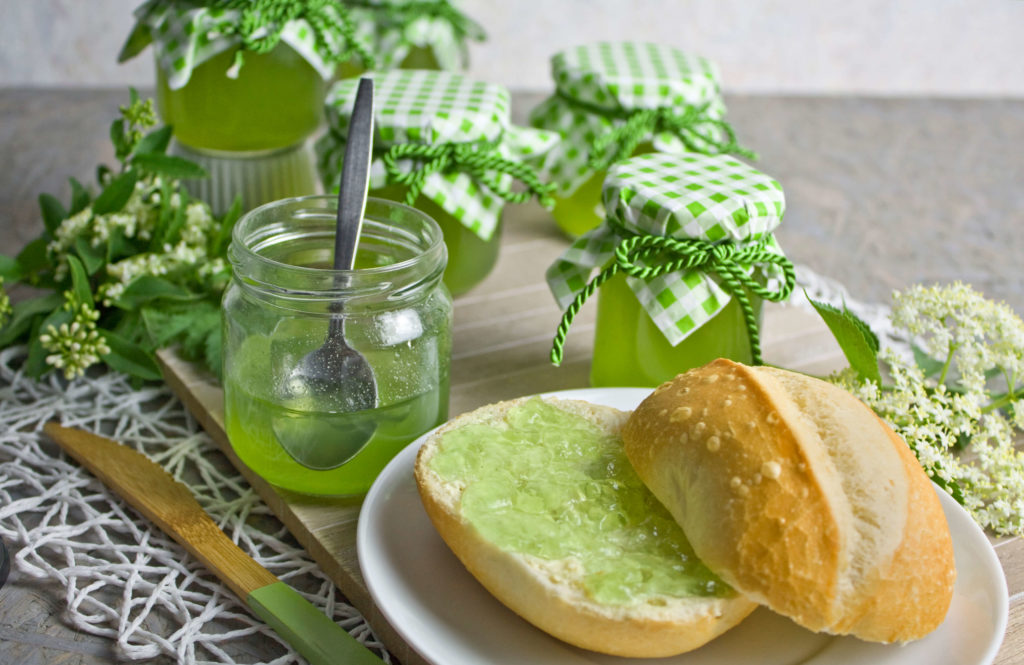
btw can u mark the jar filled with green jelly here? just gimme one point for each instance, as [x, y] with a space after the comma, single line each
[244, 92]
[444, 144]
[284, 298]
[614, 100]
[684, 258]
[412, 34]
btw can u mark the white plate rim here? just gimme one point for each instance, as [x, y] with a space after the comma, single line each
[967, 532]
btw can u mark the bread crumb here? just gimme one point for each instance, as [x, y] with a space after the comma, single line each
[757, 479]
[699, 427]
[772, 418]
[714, 443]
[735, 482]
[710, 378]
[771, 469]
[728, 402]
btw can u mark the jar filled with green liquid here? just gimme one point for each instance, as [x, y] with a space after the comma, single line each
[615, 100]
[243, 91]
[393, 309]
[685, 257]
[444, 144]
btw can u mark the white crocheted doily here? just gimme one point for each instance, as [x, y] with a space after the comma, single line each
[123, 578]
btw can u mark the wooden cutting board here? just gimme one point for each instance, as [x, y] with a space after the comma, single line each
[497, 359]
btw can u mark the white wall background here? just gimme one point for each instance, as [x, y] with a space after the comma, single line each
[881, 47]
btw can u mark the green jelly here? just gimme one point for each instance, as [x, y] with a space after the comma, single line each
[275, 102]
[551, 484]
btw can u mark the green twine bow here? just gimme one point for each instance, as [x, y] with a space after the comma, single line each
[728, 261]
[407, 12]
[267, 19]
[481, 164]
[644, 123]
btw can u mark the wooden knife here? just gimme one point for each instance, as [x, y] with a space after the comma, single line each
[148, 488]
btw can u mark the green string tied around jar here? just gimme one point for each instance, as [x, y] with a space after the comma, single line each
[684, 258]
[444, 144]
[480, 162]
[694, 127]
[613, 100]
[416, 34]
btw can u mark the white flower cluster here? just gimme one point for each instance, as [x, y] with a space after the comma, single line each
[138, 219]
[961, 424]
[75, 346]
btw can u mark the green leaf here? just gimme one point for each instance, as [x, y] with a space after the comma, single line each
[26, 313]
[214, 352]
[227, 224]
[148, 288]
[119, 246]
[33, 257]
[116, 194]
[119, 139]
[80, 197]
[171, 166]
[171, 232]
[136, 43]
[93, 258]
[930, 366]
[53, 212]
[165, 324]
[130, 358]
[10, 269]
[155, 142]
[79, 280]
[859, 344]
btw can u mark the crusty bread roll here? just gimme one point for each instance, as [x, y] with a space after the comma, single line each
[550, 593]
[797, 495]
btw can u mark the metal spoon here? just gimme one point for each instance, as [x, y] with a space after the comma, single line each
[330, 391]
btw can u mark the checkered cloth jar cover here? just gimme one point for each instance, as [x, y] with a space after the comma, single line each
[718, 204]
[394, 27]
[187, 34]
[439, 110]
[599, 87]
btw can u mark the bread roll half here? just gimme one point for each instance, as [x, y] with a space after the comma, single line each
[553, 593]
[797, 495]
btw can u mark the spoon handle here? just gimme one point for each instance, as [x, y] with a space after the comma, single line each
[355, 177]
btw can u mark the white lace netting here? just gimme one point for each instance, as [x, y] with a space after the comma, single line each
[122, 577]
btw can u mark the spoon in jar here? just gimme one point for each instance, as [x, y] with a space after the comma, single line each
[331, 390]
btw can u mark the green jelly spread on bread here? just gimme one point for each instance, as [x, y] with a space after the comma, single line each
[551, 484]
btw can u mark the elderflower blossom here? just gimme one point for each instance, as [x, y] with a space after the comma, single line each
[961, 426]
[74, 347]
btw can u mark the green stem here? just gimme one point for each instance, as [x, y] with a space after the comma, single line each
[949, 362]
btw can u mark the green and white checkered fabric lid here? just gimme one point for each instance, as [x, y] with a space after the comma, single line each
[187, 34]
[434, 108]
[716, 199]
[395, 27]
[598, 85]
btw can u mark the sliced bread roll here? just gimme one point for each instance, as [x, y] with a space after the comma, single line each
[797, 495]
[538, 501]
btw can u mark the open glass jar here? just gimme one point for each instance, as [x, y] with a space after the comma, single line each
[395, 311]
[686, 257]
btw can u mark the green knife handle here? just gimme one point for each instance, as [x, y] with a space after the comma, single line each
[307, 629]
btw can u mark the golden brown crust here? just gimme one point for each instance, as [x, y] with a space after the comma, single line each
[794, 493]
[548, 594]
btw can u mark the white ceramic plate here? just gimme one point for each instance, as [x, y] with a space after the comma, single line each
[446, 616]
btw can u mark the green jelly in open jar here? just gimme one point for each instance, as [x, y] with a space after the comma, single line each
[444, 144]
[284, 293]
[601, 86]
[696, 231]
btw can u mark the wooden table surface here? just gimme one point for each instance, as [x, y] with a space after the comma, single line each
[881, 194]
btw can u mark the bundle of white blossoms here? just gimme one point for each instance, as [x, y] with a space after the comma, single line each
[74, 347]
[960, 406]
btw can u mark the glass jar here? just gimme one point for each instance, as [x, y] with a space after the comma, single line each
[395, 310]
[582, 210]
[630, 350]
[275, 102]
[470, 258]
